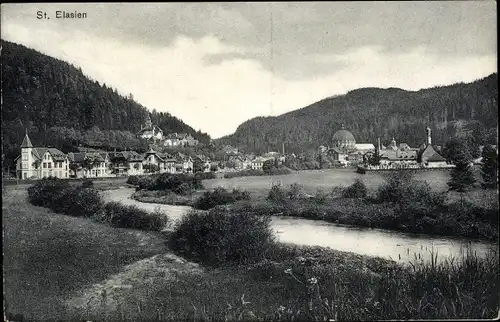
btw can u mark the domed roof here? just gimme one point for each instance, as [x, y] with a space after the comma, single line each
[344, 140]
[343, 135]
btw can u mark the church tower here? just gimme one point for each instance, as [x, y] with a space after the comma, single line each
[148, 123]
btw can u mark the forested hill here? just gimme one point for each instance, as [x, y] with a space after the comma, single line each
[60, 106]
[368, 113]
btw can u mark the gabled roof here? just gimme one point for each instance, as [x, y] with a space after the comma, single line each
[26, 142]
[436, 157]
[55, 153]
[336, 150]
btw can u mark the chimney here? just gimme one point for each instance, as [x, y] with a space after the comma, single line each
[283, 148]
[378, 143]
[429, 140]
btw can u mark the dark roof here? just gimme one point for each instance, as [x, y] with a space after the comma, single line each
[436, 157]
[55, 153]
[336, 150]
[26, 142]
[343, 135]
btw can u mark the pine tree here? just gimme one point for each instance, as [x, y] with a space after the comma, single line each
[489, 167]
[462, 179]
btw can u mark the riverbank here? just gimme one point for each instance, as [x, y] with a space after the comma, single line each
[476, 217]
[291, 282]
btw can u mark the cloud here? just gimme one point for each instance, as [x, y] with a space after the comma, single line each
[213, 65]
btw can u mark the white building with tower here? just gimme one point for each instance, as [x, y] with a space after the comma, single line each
[38, 163]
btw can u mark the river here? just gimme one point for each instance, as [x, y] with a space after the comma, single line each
[401, 247]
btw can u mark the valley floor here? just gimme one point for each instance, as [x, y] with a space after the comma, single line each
[60, 267]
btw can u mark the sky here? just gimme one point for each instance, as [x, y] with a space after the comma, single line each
[216, 65]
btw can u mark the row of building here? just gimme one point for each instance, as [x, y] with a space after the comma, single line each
[346, 151]
[37, 163]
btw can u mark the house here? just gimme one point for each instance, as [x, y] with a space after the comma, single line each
[364, 147]
[153, 162]
[257, 163]
[338, 155]
[397, 158]
[183, 163]
[180, 139]
[428, 156]
[126, 163]
[37, 163]
[431, 159]
[150, 131]
[89, 164]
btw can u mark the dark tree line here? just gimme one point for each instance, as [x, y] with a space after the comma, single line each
[455, 110]
[41, 93]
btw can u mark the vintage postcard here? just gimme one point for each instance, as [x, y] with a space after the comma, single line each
[250, 161]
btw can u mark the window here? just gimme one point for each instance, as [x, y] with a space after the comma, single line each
[50, 165]
[25, 156]
[45, 165]
[25, 175]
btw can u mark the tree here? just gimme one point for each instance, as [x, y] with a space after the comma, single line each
[268, 165]
[73, 166]
[489, 167]
[198, 165]
[373, 159]
[151, 168]
[458, 150]
[462, 179]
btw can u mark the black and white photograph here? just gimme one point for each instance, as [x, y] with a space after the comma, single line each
[250, 161]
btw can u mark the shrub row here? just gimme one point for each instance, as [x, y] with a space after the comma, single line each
[77, 201]
[273, 171]
[181, 184]
[220, 196]
[205, 175]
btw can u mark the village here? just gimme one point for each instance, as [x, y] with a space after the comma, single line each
[42, 162]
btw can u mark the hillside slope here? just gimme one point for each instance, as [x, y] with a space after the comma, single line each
[372, 112]
[40, 92]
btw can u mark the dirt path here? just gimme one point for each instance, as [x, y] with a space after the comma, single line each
[52, 261]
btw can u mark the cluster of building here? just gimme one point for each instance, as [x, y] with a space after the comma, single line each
[346, 151]
[154, 133]
[239, 161]
[37, 163]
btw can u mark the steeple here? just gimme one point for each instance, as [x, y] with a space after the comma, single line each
[149, 124]
[26, 142]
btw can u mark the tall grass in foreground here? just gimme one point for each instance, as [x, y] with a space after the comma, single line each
[316, 284]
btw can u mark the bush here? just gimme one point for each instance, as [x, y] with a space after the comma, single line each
[60, 197]
[356, 190]
[244, 173]
[118, 215]
[85, 202]
[221, 237]
[47, 191]
[295, 192]
[133, 180]
[277, 193]
[177, 183]
[401, 187]
[204, 175]
[87, 183]
[220, 196]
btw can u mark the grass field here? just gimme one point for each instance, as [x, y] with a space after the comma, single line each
[48, 257]
[312, 180]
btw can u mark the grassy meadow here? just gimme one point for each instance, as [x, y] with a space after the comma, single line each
[59, 267]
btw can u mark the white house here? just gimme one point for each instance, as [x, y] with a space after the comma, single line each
[37, 163]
